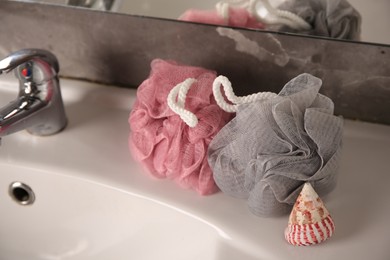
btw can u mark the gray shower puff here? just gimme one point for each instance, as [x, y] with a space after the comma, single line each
[329, 18]
[271, 148]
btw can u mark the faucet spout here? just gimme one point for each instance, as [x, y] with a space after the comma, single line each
[38, 108]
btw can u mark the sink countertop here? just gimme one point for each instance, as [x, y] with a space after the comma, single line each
[94, 148]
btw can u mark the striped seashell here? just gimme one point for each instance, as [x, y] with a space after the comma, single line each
[310, 222]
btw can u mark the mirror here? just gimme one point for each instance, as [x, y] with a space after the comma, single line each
[374, 24]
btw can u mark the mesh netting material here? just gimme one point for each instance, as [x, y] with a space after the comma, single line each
[165, 145]
[238, 17]
[329, 18]
[271, 148]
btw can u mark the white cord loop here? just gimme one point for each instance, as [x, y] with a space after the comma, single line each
[236, 101]
[273, 15]
[177, 98]
[222, 7]
[179, 92]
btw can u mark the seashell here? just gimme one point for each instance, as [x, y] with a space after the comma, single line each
[310, 222]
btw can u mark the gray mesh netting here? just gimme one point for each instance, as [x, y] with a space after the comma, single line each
[271, 148]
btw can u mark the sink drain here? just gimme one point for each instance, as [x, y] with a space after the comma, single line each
[21, 193]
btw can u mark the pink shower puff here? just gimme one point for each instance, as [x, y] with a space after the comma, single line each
[161, 141]
[238, 17]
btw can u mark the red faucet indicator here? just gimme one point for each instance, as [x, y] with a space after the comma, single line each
[26, 72]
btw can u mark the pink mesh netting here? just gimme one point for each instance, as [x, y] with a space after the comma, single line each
[238, 17]
[165, 145]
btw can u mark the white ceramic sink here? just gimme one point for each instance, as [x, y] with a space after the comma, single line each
[92, 201]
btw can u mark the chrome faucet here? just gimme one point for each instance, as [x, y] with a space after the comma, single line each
[38, 108]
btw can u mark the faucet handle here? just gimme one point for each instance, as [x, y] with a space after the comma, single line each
[22, 56]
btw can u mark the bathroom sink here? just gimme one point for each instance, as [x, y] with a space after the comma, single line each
[86, 198]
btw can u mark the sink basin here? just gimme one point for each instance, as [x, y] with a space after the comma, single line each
[77, 219]
[93, 201]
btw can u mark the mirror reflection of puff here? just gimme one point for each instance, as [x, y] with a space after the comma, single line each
[329, 18]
